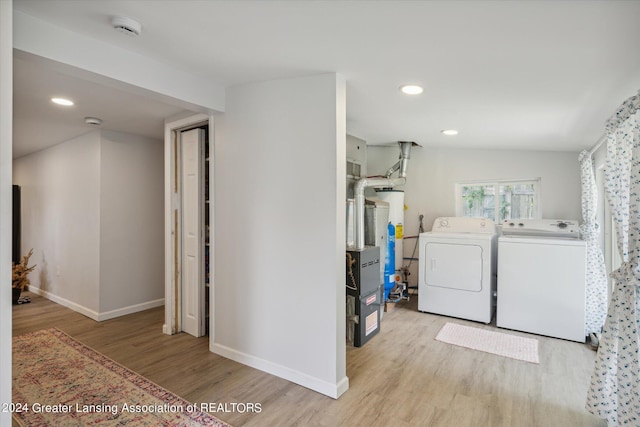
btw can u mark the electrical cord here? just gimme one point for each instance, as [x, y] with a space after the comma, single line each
[350, 262]
[415, 247]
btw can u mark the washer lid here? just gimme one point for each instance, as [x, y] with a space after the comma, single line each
[541, 227]
[460, 224]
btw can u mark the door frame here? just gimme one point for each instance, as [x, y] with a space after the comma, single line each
[172, 246]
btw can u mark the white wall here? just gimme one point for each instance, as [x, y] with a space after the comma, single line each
[61, 219]
[6, 142]
[131, 221]
[433, 173]
[92, 210]
[357, 151]
[279, 230]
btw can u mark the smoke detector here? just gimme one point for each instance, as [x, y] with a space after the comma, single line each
[126, 25]
[93, 121]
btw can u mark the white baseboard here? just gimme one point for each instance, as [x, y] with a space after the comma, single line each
[99, 317]
[65, 302]
[130, 309]
[315, 384]
[342, 386]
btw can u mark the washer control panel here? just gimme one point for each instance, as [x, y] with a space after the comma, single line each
[541, 227]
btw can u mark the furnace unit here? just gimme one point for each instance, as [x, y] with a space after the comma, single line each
[364, 294]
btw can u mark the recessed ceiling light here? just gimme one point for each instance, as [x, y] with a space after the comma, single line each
[62, 101]
[412, 89]
[449, 132]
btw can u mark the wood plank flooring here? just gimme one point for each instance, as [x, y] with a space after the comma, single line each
[402, 377]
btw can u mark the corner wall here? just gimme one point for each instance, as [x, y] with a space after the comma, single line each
[92, 210]
[279, 230]
[6, 143]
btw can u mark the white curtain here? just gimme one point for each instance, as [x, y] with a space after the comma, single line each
[614, 393]
[596, 279]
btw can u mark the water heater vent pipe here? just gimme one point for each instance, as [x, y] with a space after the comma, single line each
[401, 165]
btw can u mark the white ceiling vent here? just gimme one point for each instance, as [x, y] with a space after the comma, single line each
[126, 25]
[93, 121]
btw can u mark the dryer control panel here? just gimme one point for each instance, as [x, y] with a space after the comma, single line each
[459, 224]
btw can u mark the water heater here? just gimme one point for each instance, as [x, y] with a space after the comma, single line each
[395, 198]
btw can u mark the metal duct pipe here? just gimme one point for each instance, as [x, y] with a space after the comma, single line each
[361, 184]
[405, 155]
[387, 182]
[401, 165]
[392, 169]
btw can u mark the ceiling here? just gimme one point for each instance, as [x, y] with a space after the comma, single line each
[532, 75]
[39, 123]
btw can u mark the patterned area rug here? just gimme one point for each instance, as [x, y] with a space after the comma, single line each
[490, 342]
[58, 381]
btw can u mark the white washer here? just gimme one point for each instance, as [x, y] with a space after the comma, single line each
[457, 265]
[541, 278]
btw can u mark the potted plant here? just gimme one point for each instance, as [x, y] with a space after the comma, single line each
[20, 279]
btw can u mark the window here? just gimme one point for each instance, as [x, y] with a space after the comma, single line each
[499, 200]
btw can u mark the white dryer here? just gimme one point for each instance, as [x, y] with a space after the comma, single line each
[457, 268]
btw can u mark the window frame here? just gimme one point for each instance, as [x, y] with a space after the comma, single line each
[496, 183]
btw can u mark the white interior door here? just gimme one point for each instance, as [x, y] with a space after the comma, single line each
[192, 283]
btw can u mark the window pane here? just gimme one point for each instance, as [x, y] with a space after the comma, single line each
[517, 201]
[478, 201]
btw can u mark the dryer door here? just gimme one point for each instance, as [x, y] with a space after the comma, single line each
[454, 266]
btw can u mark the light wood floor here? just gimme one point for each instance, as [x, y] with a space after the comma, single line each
[402, 377]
